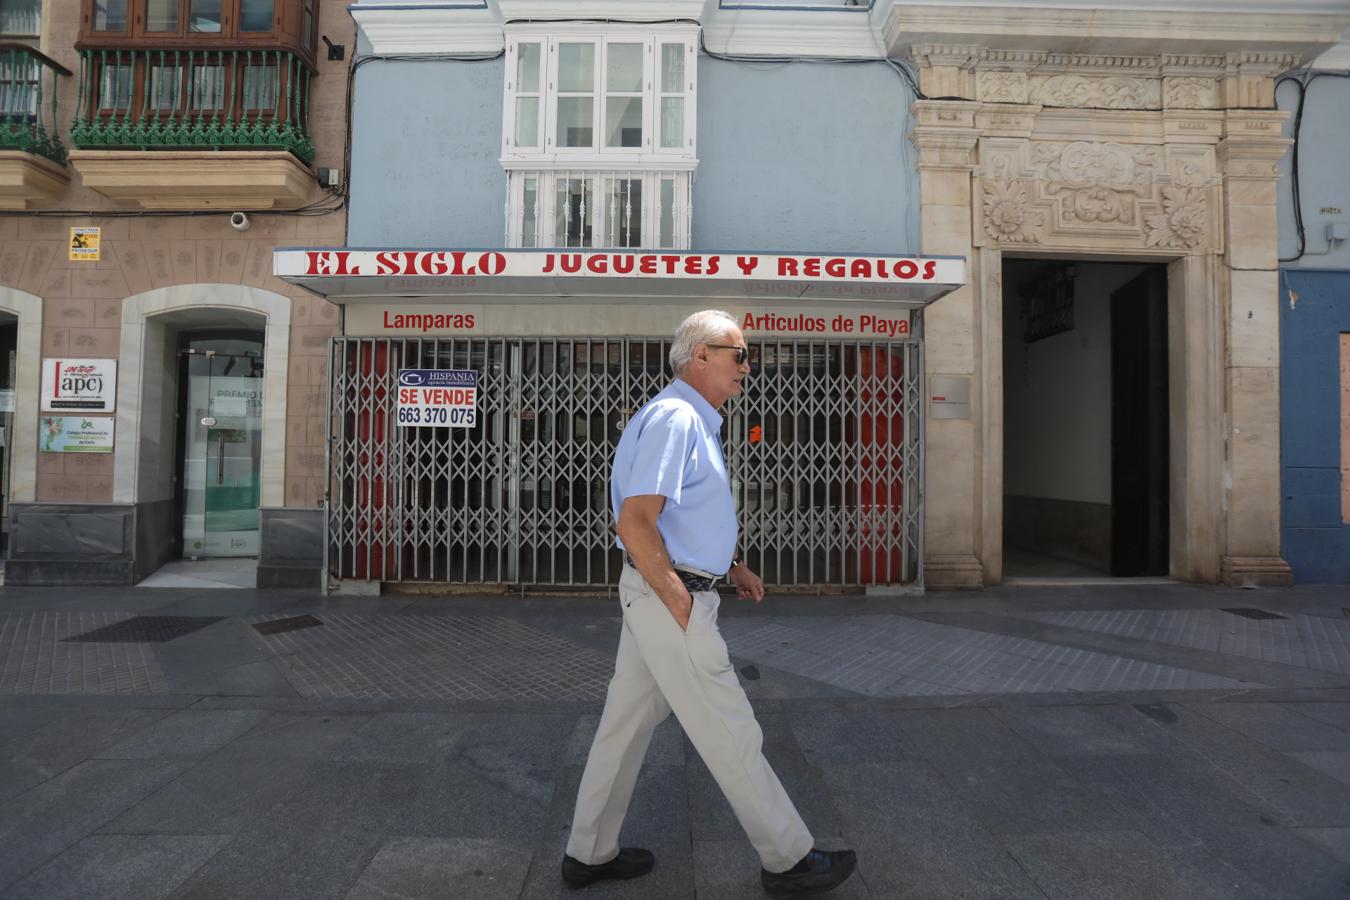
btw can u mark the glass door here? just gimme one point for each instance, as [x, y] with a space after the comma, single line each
[223, 449]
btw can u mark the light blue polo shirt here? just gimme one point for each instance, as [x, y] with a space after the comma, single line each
[672, 447]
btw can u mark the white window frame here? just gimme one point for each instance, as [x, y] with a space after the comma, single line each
[651, 154]
[653, 209]
[549, 165]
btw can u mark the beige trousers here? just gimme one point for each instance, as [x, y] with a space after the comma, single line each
[660, 668]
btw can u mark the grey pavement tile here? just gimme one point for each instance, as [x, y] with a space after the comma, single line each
[218, 795]
[252, 679]
[915, 836]
[1168, 798]
[402, 737]
[1335, 763]
[1295, 793]
[514, 741]
[1278, 862]
[444, 867]
[18, 723]
[458, 800]
[316, 841]
[1067, 729]
[113, 866]
[296, 735]
[1278, 726]
[1337, 714]
[727, 870]
[77, 734]
[19, 775]
[666, 749]
[42, 822]
[1012, 784]
[658, 819]
[1335, 841]
[1108, 865]
[833, 736]
[187, 732]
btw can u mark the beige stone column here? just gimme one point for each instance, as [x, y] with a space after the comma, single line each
[946, 137]
[1251, 147]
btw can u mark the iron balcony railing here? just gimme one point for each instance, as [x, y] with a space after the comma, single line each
[164, 99]
[28, 101]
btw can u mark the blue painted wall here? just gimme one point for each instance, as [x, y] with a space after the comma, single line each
[1316, 542]
[806, 156]
[811, 157]
[426, 139]
[1314, 311]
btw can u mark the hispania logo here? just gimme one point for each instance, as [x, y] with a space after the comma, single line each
[411, 378]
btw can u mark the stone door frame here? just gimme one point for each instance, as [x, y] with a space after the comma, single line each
[1151, 159]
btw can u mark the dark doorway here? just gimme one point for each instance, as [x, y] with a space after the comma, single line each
[1139, 433]
[9, 341]
[1085, 419]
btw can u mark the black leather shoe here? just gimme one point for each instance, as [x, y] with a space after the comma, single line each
[630, 863]
[818, 872]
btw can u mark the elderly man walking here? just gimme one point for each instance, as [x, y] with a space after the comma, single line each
[677, 527]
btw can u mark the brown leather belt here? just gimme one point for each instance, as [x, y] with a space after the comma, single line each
[692, 580]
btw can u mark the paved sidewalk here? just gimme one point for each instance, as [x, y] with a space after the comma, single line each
[1160, 741]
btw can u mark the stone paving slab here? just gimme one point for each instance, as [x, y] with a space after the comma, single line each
[436, 867]
[35, 657]
[42, 822]
[1316, 642]
[114, 866]
[467, 657]
[960, 757]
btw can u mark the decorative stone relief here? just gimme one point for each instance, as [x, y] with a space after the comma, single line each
[1008, 213]
[1002, 87]
[1190, 93]
[1110, 92]
[1100, 205]
[1085, 163]
[1086, 194]
[1184, 221]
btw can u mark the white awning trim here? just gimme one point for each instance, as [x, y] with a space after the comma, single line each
[353, 276]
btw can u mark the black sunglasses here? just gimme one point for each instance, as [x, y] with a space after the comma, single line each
[742, 353]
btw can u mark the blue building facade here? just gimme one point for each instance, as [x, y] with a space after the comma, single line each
[1314, 327]
[1101, 184]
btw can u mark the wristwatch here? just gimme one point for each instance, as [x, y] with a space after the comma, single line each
[736, 561]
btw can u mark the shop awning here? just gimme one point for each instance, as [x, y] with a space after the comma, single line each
[354, 276]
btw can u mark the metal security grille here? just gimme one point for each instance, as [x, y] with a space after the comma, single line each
[824, 451]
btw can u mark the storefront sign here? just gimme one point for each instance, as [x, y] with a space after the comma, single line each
[767, 320]
[79, 384]
[84, 243]
[443, 398]
[912, 281]
[76, 434]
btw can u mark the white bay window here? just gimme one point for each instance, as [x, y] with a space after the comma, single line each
[599, 135]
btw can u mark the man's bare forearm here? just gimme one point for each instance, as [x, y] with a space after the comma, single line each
[643, 543]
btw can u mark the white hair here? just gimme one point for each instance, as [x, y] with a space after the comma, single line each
[704, 327]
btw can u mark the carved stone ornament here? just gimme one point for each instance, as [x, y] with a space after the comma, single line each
[1088, 164]
[1101, 205]
[1111, 92]
[1008, 214]
[1002, 87]
[1189, 93]
[1184, 221]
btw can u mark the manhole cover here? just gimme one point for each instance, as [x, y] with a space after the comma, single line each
[144, 630]
[1249, 613]
[293, 623]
